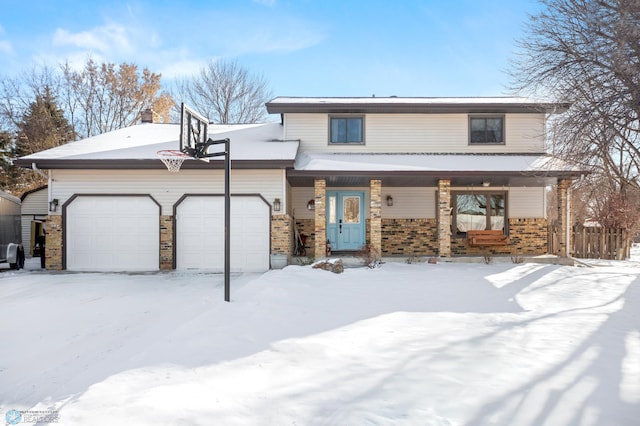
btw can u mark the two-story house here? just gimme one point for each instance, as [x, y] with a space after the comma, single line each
[412, 176]
[404, 176]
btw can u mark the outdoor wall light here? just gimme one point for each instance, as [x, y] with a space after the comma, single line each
[485, 183]
[389, 200]
[311, 205]
[276, 205]
[53, 205]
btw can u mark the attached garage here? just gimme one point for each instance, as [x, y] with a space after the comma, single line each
[112, 233]
[199, 233]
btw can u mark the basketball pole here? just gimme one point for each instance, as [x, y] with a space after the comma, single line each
[227, 221]
[202, 152]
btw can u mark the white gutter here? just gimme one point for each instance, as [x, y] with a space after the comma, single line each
[49, 180]
[38, 171]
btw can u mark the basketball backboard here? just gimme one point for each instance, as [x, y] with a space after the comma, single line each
[193, 132]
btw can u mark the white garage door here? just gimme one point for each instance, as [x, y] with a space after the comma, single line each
[112, 233]
[200, 233]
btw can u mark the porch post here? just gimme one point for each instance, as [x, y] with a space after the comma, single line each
[375, 208]
[444, 217]
[320, 218]
[564, 217]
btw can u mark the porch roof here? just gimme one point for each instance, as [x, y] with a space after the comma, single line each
[426, 169]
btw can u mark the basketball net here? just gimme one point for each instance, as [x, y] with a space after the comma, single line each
[172, 158]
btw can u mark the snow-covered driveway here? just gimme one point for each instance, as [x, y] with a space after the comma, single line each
[445, 344]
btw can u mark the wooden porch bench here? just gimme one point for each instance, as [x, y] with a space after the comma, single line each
[487, 238]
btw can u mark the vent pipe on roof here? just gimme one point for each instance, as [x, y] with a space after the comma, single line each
[147, 116]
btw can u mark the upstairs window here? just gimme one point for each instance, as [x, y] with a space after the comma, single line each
[486, 129]
[346, 130]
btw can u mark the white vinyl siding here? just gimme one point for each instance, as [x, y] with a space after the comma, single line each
[408, 203]
[35, 205]
[166, 188]
[527, 202]
[425, 133]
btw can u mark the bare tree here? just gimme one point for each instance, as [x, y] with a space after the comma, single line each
[226, 93]
[105, 97]
[588, 52]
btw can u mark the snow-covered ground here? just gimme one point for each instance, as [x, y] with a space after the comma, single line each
[414, 344]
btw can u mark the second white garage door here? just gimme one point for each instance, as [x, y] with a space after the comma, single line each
[112, 233]
[200, 233]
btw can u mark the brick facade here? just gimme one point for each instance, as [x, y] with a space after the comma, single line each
[53, 248]
[375, 215]
[166, 243]
[418, 237]
[320, 222]
[281, 234]
[409, 237]
[444, 217]
[528, 237]
[564, 217]
[306, 227]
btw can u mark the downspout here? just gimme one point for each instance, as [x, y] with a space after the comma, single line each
[284, 191]
[46, 176]
[568, 230]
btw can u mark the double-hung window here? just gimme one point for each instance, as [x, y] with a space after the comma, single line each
[343, 130]
[478, 211]
[486, 129]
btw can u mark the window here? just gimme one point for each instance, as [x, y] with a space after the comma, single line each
[478, 211]
[486, 129]
[346, 130]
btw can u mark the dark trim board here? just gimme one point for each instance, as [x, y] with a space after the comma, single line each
[148, 164]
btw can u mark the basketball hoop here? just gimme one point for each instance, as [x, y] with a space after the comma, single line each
[173, 159]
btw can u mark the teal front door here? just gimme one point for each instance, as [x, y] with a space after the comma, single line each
[345, 220]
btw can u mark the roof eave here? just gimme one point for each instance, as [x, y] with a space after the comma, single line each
[415, 108]
[147, 164]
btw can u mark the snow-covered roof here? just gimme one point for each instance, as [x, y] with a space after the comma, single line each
[396, 104]
[432, 163]
[249, 142]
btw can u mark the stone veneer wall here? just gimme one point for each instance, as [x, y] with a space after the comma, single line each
[409, 237]
[375, 216]
[320, 221]
[528, 237]
[53, 248]
[306, 227]
[166, 243]
[418, 237]
[281, 234]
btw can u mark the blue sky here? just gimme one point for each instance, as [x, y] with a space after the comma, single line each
[302, 47]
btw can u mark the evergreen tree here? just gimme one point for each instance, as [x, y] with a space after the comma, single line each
[43, 126]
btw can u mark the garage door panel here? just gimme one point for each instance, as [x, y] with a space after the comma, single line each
[200, 233]
[112, 233]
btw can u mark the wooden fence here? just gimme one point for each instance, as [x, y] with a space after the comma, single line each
[594, 242]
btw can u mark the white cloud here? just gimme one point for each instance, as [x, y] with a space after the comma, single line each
[5, 47]
[181, 68]
[269, 3]
[106, 38]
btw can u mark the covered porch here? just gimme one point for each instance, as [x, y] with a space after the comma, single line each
[422, 213]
